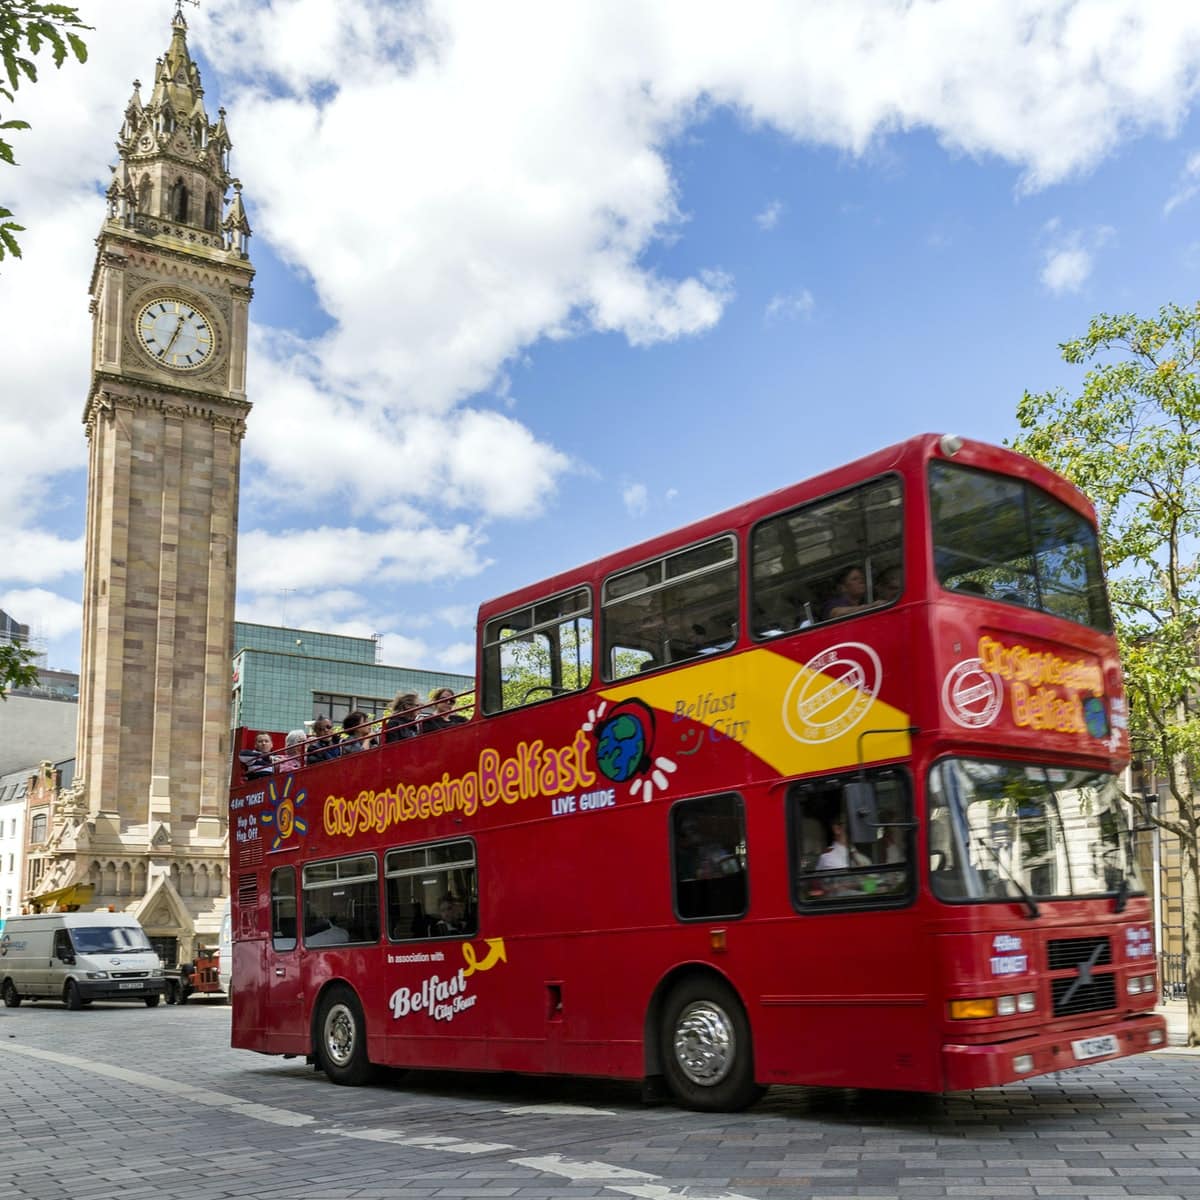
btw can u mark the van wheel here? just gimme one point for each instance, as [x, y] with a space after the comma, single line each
[151, 1001]
[707, 1054]
[71, 997]
[12, 998]
[342, 1038]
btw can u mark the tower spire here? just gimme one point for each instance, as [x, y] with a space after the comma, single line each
[174, 162]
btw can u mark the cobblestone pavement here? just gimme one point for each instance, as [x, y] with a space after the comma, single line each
[123, 1101]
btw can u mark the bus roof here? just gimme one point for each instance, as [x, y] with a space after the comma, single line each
[917, 448]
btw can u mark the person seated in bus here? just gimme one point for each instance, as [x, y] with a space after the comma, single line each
[355, 729]
[332, 935]
[259, 762]
[451, 914]
[850, 595]
[441, 711]
[889, 585]
[400, 721]
[839, 855]
[324, 744]
[699, 857]
[292, 758]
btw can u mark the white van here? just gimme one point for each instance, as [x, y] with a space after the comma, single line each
[225, 951]
[78, 957]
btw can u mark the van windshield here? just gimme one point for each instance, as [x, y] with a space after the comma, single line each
[109, 939]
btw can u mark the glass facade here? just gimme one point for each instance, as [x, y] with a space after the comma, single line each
[282, 676]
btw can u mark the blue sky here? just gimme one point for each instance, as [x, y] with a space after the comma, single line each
[539, 281]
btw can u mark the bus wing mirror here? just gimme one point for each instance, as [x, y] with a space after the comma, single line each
[862, 811]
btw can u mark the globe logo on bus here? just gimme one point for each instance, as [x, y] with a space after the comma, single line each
[621, 750]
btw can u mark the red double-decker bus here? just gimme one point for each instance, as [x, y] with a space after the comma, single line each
[819, 790]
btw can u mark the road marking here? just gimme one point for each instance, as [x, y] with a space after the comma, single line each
[558, 1110]
[607, 1174]
[555, 1164]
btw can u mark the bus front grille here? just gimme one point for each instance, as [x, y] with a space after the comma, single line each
[1066, 953]
[1080, 994]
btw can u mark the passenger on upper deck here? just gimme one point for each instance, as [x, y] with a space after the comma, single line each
[401, 720]
[324, 745]
[259, 761]
[441, 711]
[355, 728]
[850, 596]
[292, 758]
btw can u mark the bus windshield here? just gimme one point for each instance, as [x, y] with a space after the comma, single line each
[1005, 539]
[1000, 829]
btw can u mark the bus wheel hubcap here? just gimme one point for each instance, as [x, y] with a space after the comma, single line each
[339, 1034]
[704, 1043]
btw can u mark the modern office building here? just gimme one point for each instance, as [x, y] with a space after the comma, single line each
[282, 678]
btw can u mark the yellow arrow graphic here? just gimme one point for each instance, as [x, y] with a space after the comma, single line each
[495, 954]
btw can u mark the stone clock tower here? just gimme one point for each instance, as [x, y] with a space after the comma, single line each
[145, 824]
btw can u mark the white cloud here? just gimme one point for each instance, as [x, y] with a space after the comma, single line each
[769, 217]
[47, 614]
[1188, 185]
[789, 306]
[458, 657]
[634, 498]
[1068, 255]
[1066, 270]
[34, 556]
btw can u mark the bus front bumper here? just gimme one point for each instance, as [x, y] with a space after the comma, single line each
[994, 1063]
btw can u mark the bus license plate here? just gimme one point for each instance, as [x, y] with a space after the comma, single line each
[130, 985]
[1094, 1047]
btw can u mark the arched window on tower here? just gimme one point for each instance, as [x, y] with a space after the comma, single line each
[202, 881]
[179, 201]
[210, 213]
[188, 881]
[174, 876]
[108, 879]
[139, 879]
[124, 879]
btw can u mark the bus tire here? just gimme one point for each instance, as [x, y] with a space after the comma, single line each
[12, 998]
[707, 1055]
[71, 997]
[342, 1038]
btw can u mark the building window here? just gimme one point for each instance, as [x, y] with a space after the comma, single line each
[37, 828]
[336, 707]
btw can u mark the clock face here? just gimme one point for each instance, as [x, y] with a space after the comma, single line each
[175, 334]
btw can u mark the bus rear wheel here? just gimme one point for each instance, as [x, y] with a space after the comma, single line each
[342, 1038]
[707, 1054]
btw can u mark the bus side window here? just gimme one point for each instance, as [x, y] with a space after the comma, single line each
[708, 850]
[432, 891]
[828, 867]
[283, 908]
[800, 559]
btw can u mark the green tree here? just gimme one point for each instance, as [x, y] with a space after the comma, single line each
[1131, 441]
[16, 668]
[26, 29]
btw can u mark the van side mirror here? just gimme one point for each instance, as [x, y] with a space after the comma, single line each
[862, 810]
[66, 956]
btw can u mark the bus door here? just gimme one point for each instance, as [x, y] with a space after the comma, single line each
[286, 1032]
[853, 990]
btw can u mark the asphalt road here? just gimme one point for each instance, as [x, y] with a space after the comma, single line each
[124, 1101]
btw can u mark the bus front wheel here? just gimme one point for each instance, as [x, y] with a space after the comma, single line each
[707, 1055]
[342, 1038]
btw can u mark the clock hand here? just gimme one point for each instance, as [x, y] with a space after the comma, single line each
[167, 347]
